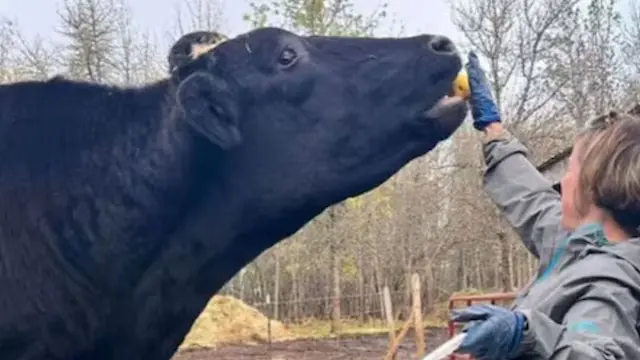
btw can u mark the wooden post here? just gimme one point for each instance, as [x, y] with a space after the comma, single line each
[417, 314]
[268, 324]
[391, 353]
[388, 310]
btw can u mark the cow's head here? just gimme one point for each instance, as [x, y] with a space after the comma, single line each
[307, 121]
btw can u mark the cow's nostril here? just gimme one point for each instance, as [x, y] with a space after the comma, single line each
[442, 45]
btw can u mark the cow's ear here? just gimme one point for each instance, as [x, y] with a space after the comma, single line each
[210, 107]
[192, 46]
[180, 73]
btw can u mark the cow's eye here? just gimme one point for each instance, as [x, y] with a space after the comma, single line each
[287, 57]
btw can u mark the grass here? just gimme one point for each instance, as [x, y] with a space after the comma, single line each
[321, 329]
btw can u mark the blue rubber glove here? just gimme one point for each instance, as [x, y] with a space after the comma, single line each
[483, 108]
[495, 333]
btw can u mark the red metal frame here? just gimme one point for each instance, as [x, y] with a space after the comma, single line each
[468, 300]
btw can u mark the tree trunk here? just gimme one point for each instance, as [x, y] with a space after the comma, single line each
[276, 288]
[462, 272]
[428, 288]
[295, 284]
[377, 279]
[242, 281]
[510, 263]
[335, 270]
[361, 294]
[505, 281]
[479, 283]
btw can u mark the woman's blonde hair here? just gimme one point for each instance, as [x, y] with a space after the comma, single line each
[609, 154]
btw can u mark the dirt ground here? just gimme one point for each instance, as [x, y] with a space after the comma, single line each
[366, 347]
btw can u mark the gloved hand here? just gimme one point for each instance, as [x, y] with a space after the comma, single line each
[495, 333]
[483, 108]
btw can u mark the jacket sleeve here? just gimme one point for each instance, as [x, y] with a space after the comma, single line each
[601, 325]
[523, 194]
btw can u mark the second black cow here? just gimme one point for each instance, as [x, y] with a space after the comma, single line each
[123, 210]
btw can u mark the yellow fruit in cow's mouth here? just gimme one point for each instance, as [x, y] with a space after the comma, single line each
[461, 86]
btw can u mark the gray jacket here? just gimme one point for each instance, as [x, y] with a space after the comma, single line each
[585, 301]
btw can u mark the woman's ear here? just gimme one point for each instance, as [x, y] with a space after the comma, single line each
[211, 108]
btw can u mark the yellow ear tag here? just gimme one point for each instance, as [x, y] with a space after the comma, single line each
[461, 85]
[199, 49]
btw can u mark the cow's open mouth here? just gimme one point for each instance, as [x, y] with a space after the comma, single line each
[444, 106]
[446, 115]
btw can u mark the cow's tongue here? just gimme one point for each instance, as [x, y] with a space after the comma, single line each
[443, 106]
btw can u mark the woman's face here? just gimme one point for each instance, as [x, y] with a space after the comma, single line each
[569, 188]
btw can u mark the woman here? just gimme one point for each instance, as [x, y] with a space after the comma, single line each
[585, 301]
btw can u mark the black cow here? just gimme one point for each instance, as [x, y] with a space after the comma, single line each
[123, 210]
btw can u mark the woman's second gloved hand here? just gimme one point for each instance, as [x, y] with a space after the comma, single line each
[494, 333]
[483, 108]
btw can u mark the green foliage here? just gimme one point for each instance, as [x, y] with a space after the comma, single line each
[318, 17]
[259, 15]
[292, 268]
[349, 268]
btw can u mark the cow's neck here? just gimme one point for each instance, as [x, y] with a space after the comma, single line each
[158, 171]
[204, 255]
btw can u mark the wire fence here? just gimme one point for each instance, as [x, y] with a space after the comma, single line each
[360, 307]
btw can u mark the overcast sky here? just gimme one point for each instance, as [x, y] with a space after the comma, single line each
[39, 16]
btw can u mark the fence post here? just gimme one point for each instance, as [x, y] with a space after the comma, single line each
[388, 311]
[268, 301]
[393, 348]
[417, 314]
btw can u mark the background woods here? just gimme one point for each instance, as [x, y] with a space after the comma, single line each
[553, 64]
